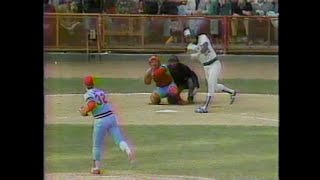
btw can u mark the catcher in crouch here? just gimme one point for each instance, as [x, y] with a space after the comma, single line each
[184, 77]
[164, 82]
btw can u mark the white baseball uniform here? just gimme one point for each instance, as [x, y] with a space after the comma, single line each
[204, 52]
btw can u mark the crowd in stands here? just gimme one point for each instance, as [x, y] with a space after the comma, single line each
[180, 7]
[170, 7]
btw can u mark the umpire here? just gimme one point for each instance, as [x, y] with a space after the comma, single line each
[184, 77]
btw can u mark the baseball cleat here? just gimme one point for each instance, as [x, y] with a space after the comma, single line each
[131, 159]
[232, 97]
[201, 110]
[95, 171]
[190, 100]
[182, 102]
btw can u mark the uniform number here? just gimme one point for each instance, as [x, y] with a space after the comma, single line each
[101, 98]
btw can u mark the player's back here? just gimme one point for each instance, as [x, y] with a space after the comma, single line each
[103, 108]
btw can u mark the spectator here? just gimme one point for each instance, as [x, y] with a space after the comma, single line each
[275, 6]
[168, 7]
[196, 7]
[93, 6]
[182, 6]
[55, 3]
[214, 7]
[48, 8]
[171, 28]
[149, 6]
[126, 6]
[215, 24]
[110, 6]
[259, 27]
[140, 6]
[275, 23]
[49, 24]
[68, 25]
[240, 8]
[218, 7]
[224, 7]
[202, 8]
[190, 8]
[261, 7]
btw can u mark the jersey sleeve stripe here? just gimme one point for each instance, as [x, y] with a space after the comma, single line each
[89, 99]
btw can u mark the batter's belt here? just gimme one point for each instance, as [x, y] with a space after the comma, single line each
[210, 61]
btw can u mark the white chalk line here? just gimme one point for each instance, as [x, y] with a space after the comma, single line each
[260, 118]
[124, 175]
[242, 116]
[63, 117]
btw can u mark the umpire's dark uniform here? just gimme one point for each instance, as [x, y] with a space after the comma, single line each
[183, 76]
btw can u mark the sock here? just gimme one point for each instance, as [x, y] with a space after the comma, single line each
[97, 164]
[124, 147]
[206, 103]
[227, 90]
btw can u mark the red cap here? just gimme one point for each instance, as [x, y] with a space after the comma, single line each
[88, 81]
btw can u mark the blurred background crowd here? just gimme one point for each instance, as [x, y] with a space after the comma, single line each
[172, 26]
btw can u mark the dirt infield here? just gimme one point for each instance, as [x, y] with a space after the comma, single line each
[87, 176]
[256, 110]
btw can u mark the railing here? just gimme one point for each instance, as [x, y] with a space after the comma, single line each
[154, 33]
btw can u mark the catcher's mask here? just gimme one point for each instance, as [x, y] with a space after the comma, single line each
[152, 59]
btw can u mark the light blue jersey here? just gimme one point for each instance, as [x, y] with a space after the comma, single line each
[103, 108]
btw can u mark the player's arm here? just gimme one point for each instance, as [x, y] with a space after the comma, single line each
[192, 75]
[148, 76]
[159, 72]
[193, 50]
[91, 104]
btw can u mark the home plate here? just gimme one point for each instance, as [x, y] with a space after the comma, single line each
[166, 111]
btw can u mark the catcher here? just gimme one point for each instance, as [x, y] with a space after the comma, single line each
[184, 77]
[166, 87]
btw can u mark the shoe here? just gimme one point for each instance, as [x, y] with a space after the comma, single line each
[232, 97]
[182, 102]
[95, 171]
[131, 159]
[201, 110]
[190, 100]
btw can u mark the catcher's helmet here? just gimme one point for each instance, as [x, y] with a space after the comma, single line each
[88, 81]
[173, 58]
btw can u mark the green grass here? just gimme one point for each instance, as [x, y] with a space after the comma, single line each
[74, 85]
[222, 152]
